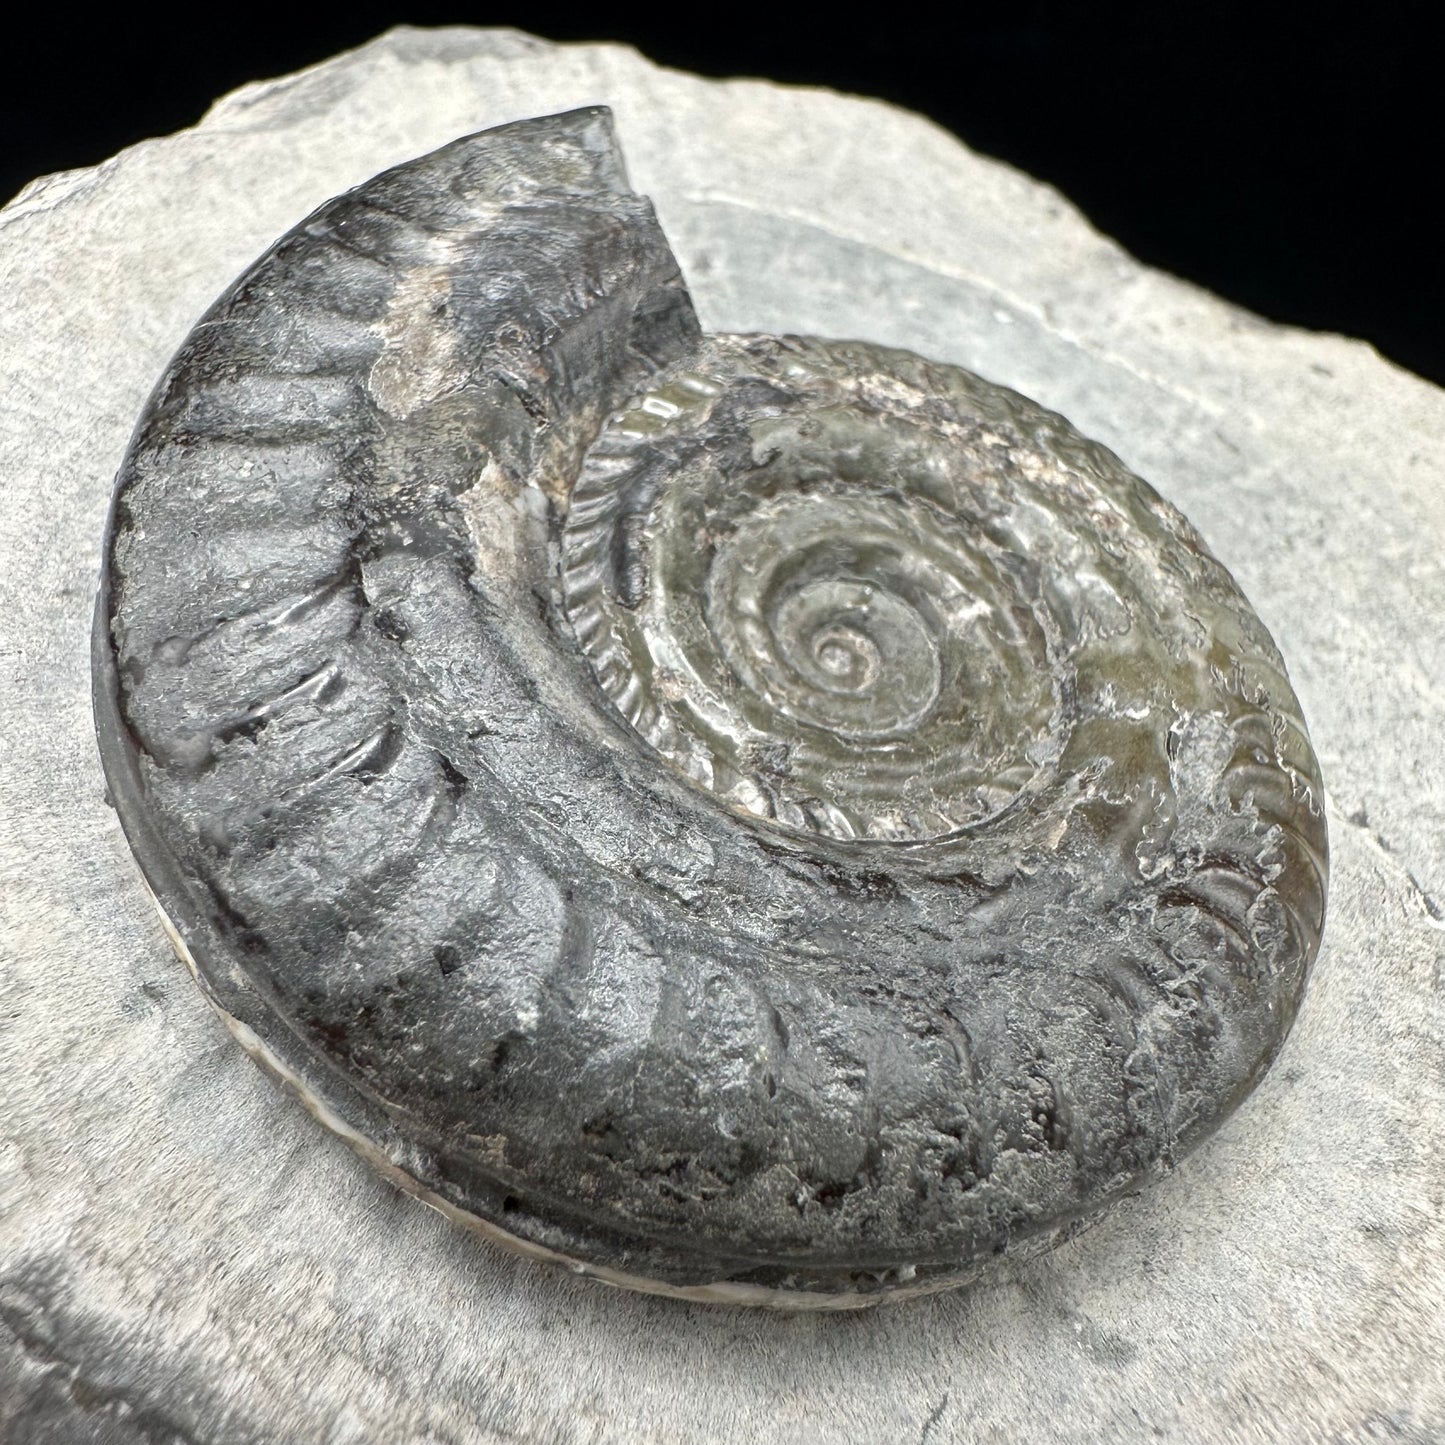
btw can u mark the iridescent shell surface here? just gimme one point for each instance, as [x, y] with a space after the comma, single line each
[756, 817]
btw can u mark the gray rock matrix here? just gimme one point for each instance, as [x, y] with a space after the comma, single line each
[183, 1251]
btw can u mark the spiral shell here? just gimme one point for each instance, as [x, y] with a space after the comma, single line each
[754, 817]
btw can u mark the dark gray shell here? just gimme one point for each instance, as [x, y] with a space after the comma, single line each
[759, 817]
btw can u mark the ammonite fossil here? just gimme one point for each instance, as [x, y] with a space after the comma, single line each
[755, 817]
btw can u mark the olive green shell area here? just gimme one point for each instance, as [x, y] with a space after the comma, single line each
[757, 817]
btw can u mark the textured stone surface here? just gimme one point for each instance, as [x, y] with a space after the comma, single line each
[182, 1251]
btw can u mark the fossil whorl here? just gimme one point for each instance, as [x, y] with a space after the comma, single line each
[754, 816]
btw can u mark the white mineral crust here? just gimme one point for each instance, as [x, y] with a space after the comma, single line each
[185, 1253]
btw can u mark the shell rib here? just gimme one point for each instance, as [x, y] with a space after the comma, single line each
[757, 817]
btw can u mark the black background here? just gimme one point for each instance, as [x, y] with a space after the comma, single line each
[1284, 156]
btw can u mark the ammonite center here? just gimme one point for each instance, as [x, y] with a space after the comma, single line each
[787, 575]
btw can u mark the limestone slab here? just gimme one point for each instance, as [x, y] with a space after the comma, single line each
[185, 1254]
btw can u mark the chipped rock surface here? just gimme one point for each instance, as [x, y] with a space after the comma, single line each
[184, 1254]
